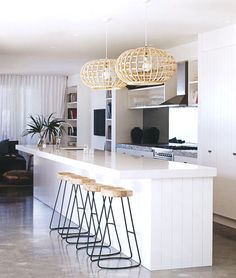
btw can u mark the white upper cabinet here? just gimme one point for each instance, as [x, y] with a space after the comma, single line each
[151, 97]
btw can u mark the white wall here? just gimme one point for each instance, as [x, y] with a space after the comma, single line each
[188, 51]
[183, 123]
[19, 64]
[98, 101]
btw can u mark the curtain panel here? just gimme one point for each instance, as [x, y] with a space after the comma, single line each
[24, 95]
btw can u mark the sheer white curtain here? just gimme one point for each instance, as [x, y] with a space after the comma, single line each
[23, 95]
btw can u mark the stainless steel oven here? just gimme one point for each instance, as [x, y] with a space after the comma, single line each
[163, 154]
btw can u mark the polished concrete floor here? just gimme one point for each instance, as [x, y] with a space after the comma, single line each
[29, 250]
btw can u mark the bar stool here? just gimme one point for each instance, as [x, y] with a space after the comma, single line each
[110, 194]
[91, 189]
[63, 177]
[77, 205]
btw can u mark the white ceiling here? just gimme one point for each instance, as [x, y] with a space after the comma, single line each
[71, 29]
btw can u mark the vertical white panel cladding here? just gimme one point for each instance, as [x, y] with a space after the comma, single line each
[183, 223]
[207, 225]
[197, 208]
[177, 222]
[187, 192]
[217, 114]
[157, 224]
[166, 216]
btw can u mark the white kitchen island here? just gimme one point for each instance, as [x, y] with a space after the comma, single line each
[172, 202]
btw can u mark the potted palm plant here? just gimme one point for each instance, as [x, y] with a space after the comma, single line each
[44, 127]
[36, 126]
[52, 126]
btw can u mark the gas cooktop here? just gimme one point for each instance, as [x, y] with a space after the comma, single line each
[176, 147]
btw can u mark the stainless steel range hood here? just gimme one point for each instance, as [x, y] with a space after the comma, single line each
[181, 99]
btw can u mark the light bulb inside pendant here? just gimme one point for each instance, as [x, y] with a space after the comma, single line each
[147, 64]
[106, 75]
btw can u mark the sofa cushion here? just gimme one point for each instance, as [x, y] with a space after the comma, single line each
[12, 147]
[18, 177]
[12, 162]
[4, 147]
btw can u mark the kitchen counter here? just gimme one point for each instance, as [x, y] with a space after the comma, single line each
[172, 202]
[119, 165]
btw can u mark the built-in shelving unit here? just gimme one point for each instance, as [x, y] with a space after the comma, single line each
[108, 143]
[193, 82]
[71, 114]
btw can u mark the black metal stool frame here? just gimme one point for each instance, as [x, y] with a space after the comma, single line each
[91, 221]
[68, 235]
[100, 258]
[58, 227]
[94, 257]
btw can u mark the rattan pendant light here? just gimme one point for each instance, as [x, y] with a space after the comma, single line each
[145, 65]
[100, 74]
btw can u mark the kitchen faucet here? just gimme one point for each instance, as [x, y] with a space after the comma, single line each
[58, 136]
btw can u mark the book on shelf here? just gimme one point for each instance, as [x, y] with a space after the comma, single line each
[72, 113]
[72, 97]
[72, 132]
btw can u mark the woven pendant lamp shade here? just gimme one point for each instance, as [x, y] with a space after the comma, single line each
[145, 66]
[100, 75]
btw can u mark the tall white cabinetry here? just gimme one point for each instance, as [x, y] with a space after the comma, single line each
[217, 114]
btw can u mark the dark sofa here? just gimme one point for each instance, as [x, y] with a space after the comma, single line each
[10, 158]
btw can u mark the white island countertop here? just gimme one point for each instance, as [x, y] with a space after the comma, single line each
[120, 165]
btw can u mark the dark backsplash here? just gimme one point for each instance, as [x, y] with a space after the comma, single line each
[158, 118]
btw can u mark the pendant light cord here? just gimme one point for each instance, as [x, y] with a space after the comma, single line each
[106, 35]
[146, 23]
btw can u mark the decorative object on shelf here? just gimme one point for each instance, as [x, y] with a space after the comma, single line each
[100, 74]
[145, 65]
[136, 135]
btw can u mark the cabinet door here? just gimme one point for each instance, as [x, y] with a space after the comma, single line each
[223, 186]
[226, 182]
[135, 152]
[207, 110]
[185, 159]
[217, 124]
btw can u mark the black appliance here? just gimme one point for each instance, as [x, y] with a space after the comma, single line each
[99, 122]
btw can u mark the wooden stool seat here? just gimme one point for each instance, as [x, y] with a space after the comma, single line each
[77, 179]
[96, 187]
[118, 192]
[64, 175]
